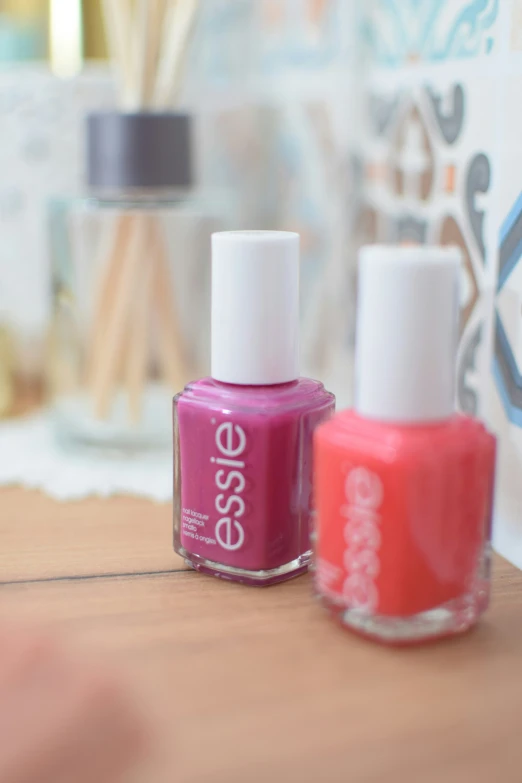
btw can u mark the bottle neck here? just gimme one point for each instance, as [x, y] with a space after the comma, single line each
[246, 384]
[399, 420]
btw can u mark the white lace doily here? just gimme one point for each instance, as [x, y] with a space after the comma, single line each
[30, 457]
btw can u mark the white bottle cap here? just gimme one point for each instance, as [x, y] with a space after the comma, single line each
[407, 331]
[255, 307]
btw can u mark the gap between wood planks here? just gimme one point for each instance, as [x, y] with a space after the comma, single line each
[91, 577]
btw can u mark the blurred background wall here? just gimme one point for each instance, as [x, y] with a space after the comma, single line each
[387, 120]
[274, 85]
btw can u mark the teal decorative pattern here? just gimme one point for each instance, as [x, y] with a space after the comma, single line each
[506, 371]
[401, 31]
[449, 122]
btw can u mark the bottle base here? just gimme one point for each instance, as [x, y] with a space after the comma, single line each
[449, 619]
[261, 578]
[77, 427]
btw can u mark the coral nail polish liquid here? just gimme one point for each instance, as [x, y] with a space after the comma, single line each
[403, 484]
[243, 438]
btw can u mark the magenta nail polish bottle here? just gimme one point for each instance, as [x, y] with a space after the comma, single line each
[243, 438]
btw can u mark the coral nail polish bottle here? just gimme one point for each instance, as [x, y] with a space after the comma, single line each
[403, 484]
[243, 438]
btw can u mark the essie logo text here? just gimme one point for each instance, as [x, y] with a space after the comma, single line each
[362, 536]
[231, 442]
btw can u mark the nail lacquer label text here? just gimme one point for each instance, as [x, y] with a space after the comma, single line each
[362, 538]
[230, 440]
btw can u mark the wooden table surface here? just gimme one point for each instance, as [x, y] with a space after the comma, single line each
[257, 684]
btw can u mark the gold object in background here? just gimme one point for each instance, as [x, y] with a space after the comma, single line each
[23, 26]
[94, 44]
[24, 9]
[73, 29]
[65, 37]
[6, 371]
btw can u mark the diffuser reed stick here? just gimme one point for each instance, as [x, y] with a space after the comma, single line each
[179, 19]
[118, 31]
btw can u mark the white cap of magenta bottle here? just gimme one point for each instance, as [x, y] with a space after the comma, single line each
[255, 307]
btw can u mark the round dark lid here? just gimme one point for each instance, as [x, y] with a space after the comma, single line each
[138, 150]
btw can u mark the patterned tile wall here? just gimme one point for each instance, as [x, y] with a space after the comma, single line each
[443, 163]
[503, 337]
[431, 132]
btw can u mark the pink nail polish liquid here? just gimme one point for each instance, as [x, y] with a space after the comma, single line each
[243, 438]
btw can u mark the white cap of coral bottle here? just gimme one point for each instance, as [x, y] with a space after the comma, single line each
[407, 332]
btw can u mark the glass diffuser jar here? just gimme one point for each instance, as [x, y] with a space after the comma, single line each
[131, 284]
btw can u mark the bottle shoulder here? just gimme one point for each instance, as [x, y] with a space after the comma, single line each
[302, 394]
[393, 441]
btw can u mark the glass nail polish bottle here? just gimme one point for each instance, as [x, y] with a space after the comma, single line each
[403, 484]
[243, 438]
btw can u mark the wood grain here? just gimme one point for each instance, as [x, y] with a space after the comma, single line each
[41, 538]
[258, 684]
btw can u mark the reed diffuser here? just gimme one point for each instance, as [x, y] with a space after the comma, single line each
[131, 259]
